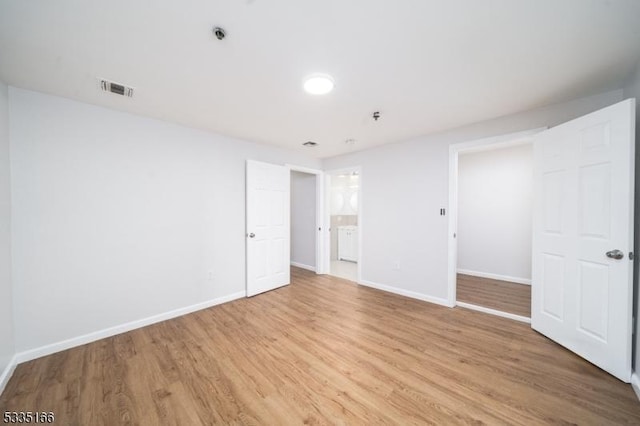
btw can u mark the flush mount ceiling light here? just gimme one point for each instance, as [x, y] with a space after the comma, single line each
[318, 84]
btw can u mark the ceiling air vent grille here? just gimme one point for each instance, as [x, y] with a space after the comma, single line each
[118, 89]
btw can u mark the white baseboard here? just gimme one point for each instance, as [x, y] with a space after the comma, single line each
[407, 293]
[525, 281]
[30, 354]
[635, 384]
[303, 266]
[8, 372]
[494, 312]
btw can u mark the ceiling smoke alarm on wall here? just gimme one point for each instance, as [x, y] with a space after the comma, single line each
[116, 88]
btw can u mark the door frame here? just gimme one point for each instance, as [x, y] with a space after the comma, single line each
[485, 144]
[320, 252]
[327, 217]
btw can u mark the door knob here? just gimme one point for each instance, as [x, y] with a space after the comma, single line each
[251, 235]
[615, 254]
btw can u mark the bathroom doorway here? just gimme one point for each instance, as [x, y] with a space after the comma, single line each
[343, 203]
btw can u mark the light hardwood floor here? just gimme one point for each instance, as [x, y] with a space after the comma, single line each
[323, 351]
[500, 295]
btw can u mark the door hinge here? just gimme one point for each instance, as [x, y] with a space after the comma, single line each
[633, 325]
[631, 255]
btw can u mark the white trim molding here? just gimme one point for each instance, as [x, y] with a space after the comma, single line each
[303, 169]
[8, 372]
[494, 312]
[407, 293]
[303, 266]
[49, 349]
[525, 281]
[635, 384]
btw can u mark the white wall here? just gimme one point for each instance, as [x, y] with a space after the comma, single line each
[404, 186]
[632, 90]
[494, 213]
[7, 348]
[118, 217]
[303, 219]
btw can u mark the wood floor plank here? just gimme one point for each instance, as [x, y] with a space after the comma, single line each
[495, 294]
[323, 351]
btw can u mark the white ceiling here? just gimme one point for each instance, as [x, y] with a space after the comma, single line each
[425, 65]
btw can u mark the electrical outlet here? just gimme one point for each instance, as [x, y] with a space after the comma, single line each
[396, 265]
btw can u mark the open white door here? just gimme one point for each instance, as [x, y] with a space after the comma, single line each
[268, 227]
[583, 234]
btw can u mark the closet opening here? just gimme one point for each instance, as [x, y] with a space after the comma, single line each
[490, 225]
[494, 229]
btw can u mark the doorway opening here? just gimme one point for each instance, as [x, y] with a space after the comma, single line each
[495, 190]
[306, 224]
[343, 204]
[490, 199]
[303, 220]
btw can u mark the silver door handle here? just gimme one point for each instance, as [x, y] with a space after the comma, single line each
[251, 235]
[615, 254]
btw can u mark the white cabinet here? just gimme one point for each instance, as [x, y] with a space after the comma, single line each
[348, 243]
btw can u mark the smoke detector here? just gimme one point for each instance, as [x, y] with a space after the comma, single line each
[220, 33]
[116, 88]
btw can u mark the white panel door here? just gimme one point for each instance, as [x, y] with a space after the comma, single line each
[268, 229]
[583, 212]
